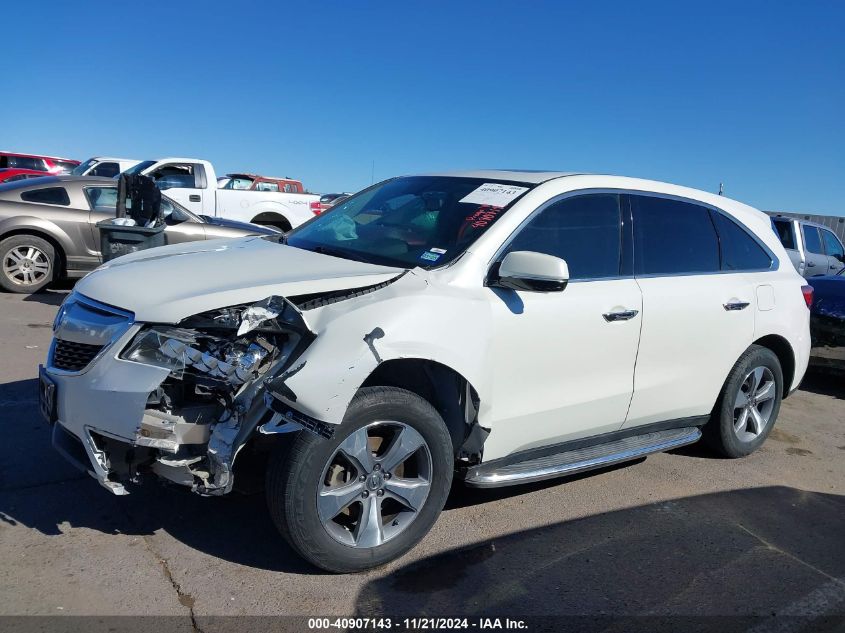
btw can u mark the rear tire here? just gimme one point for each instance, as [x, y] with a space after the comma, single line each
[27, 263]
[346, 504]
[748, 406]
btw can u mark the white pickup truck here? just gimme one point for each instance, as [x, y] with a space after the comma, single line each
[193, 184]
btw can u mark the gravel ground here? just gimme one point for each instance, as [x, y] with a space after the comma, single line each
[680, 533]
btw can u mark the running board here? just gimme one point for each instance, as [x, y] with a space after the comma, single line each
[575, 461]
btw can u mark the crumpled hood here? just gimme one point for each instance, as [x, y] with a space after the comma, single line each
[167, 284]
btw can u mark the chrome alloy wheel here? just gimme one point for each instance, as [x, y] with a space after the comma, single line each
[375, 484]
[26, 265]
[754, 404]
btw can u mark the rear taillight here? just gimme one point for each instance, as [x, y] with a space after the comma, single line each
[316, 207]
[807, 291]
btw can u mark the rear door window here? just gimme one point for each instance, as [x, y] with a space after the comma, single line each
[672, 237]
[48, 195]
[739, 250]
[812, 241]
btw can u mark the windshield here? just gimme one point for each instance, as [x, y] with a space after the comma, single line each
[422, 221]
[137, 169]
[80, 169]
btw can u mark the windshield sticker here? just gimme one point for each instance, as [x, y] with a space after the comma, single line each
[494, 194]
[439, 251]
[482, 216]
[430, 257]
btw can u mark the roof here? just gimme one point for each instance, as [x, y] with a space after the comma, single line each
[115, 159]
[534, 177]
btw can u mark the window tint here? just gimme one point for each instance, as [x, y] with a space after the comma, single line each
[783, 229]
[24, 162]
[65, 166]
[50, 195]
[584, 230]
[832, 245]
[108, 170]
[176, 175]
[739, 250]
[102, 198]
[673, 237]
[812, 241]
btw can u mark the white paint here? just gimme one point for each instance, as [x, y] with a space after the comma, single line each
[546, 367]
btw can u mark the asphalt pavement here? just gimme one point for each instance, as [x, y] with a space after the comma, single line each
[684, 533]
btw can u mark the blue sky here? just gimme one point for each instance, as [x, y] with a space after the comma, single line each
[751, 94]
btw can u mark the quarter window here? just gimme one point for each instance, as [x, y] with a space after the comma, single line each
[832, 245]
[584, 231]
[49, 195]
[812, 241]
[673, 237]
[785, 233]
[739, 250]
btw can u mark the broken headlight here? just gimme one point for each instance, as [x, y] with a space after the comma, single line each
[231, 345]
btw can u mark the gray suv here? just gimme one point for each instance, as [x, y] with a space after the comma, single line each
[814, 249]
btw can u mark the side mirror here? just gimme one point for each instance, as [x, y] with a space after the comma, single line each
[536, 272]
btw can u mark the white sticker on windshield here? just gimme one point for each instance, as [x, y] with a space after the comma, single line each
[494, 194]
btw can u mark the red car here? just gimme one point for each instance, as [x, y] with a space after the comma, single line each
[10, 174]
[36, 162]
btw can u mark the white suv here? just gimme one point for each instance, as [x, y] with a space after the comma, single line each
[499, 326]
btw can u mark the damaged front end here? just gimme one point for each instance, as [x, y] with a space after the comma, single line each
[212, 399]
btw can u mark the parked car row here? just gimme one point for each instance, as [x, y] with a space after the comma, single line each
[813, 249]
[48, 228]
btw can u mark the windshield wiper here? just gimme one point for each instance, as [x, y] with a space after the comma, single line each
[335, 252]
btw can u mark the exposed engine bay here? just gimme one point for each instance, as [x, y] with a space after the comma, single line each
[211, 401]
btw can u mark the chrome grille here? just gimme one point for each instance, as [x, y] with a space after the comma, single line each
[73, 356]
[83, 329]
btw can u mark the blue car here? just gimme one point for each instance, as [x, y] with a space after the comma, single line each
[827, 321]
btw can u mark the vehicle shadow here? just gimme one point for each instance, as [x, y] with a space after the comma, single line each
[824, 383]
[40, 490]
[753, 552]
[53, 294]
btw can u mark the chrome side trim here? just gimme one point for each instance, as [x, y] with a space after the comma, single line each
[571, 462]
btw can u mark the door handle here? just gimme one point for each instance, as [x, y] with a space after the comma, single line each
[736, 305]
[810, 265]
[623, 315]
[194, 198]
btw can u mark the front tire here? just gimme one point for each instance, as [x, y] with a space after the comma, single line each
[748, 406]
[372, 492]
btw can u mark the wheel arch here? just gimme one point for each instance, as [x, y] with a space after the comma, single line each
[37, 231]
[450, 393]
[272, 218]
[786, 356]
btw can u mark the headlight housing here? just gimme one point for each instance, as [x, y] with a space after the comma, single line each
[231, 345]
